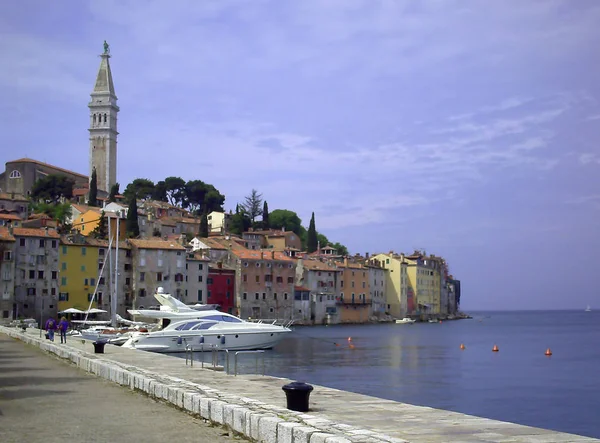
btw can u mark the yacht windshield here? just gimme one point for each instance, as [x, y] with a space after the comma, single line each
[204, 325]
[227, 318]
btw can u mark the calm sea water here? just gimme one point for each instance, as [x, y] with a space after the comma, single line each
[422, 364]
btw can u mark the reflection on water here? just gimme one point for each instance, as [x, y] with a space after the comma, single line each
[423, 364]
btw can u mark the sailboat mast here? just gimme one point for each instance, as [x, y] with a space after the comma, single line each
[113, 299]
[110, 268]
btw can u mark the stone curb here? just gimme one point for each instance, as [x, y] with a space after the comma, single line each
[253, 419]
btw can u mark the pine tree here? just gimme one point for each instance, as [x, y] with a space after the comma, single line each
[252, 204]
[131, 225]
[93, 194]
[204, 225]
[265, 216]
[101, 231]
[311, 241]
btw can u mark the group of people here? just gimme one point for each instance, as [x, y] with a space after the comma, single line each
[52, 326]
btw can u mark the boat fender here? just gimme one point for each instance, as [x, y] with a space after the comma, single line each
[223, 340]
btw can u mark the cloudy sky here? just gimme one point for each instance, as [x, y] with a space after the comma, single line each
[466, 128]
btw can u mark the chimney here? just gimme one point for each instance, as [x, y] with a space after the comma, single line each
[262, 255]
[345, 262]
[272, 255]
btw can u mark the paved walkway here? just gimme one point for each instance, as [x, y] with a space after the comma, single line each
[259, 404]
[45, 399]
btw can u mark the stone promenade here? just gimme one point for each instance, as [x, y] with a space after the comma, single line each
[255, 407]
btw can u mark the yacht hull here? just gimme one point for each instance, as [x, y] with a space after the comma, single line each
[170, 342]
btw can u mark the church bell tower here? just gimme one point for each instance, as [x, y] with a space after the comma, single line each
[103, 126]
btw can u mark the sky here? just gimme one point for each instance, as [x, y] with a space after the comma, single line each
[468, 129]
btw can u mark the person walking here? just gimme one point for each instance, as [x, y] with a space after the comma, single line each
[63, 326]
[50, 327]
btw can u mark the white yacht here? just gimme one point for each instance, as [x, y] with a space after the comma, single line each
[184, 326]
[405, 321]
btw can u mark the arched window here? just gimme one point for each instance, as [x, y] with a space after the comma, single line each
[15, 174]
[104, 118]
[94, 118]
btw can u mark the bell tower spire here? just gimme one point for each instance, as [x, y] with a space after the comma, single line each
[103, 125]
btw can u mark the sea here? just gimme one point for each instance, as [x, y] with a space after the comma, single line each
[423, 364]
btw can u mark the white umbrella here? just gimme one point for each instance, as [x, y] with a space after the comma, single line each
[71, 311]
[95, 311]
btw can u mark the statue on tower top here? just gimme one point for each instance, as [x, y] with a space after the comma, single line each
[106, 48]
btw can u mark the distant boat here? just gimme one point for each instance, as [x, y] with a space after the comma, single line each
[405, 321]
[588, 309]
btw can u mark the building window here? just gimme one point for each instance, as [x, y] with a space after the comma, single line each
[228, 281]
[209, 281]
[142, 276]
[40, 275]
[101, 281]
[245, 295]
[200, 279]
[82, 268]
[15, 174]
[30, 291]
[101, 252]
[54, 244]
[21, 242]
[83, 251]
[63, 296]
[31, 274]
[245, 278]
[42, 243]
[257, 278]
[200, 267]
[64, 266]
[86, 282]
[142, 293]
[63, 281]
[256, 295]
[64, 250]
[200, 295]
[290, 279]
[285, 295]
[159, 276]
[92, 281]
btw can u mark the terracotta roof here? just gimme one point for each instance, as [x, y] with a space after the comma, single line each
[80, 191]
[317, 265]
[188, 220]
[12, 197]
[156, 244]
[90, 241]
[5, 234]
[224, 267]
[212, 243]
[301, 288]
[85, 208]
[37, 162]
[249, 254]
[9, 217]
[35, 232]
[167, 221]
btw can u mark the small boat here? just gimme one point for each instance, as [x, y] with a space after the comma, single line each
[405, 321]
[432, 320]
[588, 309]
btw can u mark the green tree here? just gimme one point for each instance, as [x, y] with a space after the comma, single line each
[311, 241]
[52, 188]
[213, 200]
[265, 216]
[204, 225]
[322, 240]
[141, 188]
[341, 249]
[93, 194]
[252, 204]
[175, 191]
[195, 194]
[101, 231]
[114, 190]
[283, 218]
[240, 221]
[131, 224]
[160, 191]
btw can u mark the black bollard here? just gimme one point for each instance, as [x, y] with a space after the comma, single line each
[99, 346]
[297, 395]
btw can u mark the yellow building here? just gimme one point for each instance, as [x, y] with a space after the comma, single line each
[79, 269]
[398, 298]
[423, 280]
[89, 220]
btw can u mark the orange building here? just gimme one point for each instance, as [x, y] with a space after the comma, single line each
[355, 297]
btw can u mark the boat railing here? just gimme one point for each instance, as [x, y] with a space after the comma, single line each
[257, 354]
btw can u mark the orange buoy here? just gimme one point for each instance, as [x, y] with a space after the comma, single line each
[548, 352]
[351, 346]
[495, 348]
[440, 322]
[462, 347]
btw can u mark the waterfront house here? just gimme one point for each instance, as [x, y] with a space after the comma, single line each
[221, 286]
[276, 239]
[264, 283]
[7, 275]
[85, 267]
[354, 300]
[377, 286]
[156, 263]
[424, 282]
[218, 222]
[14, 204]
[196, 279]
[322, 280]
[398, 295]
[36, 265]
